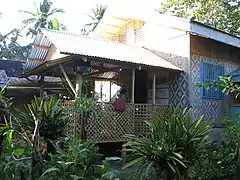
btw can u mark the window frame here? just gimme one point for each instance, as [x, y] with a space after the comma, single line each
[202, 80]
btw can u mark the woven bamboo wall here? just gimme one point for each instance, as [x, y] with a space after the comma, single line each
[106, 125]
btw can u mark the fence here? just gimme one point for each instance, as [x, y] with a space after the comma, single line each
[106, 125]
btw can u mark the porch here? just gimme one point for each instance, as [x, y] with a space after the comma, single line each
[106, 125]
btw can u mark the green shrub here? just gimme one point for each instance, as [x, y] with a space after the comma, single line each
[54, 117]
[172, 146]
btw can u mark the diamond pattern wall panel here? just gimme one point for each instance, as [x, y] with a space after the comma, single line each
[211, 109]
[179, 82]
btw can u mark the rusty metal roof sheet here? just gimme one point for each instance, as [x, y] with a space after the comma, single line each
[68, 43]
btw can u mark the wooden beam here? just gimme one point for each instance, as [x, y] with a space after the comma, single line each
[121, 19]
[133, 85]
[93, 94]
[79, 82]
[41, 90]
[40, 47]
[110, 91]
[68, 80]
[103, 71]
[109, 33]
[38, 60]
[114, 26]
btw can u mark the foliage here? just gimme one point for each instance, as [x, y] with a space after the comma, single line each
[83, 104]
[15, 161]
[173, 143]
[54, 117]
[9, 47]
[216, 161]
[24, 157]
[42, 18]
[219, 160]
[233, 136]
[5, 103]
[87, 88]
[78, 161]
[96, 16]
[84, 107]
[225, 84]
[221, 14]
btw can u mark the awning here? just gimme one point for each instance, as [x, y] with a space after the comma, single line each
[72, 44]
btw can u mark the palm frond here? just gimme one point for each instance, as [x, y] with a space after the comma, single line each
[28, 12]
[29, 21]
[45, 6]
[92, 17]
[55, 10]
[36, 7]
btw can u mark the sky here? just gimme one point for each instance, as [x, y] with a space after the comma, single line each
[73, 18]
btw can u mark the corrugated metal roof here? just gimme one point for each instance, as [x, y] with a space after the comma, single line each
[10, 70]
[14, 81]
[39, 53]
[82, 45]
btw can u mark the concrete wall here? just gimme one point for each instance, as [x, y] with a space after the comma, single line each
[203, 49]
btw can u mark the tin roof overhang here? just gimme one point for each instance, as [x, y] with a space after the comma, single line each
[100, 50]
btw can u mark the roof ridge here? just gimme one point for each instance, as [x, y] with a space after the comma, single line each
[89, 37]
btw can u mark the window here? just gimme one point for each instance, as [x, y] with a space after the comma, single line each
[138, 35]
[211, 72]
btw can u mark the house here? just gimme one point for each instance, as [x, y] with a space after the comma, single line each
[23, 89]
[159, 59]
[204, 53]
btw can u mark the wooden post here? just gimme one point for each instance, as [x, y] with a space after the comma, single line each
[154, 89]
[101, 93]
[110, 91]
[78, 89]
[133, 85]
[79, 81]
[93, 94]
[41, 91]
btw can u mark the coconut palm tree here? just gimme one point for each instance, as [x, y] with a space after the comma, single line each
[96, 16]
[43, 17]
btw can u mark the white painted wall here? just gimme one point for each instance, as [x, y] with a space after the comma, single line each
[162, 38]
[167, 39]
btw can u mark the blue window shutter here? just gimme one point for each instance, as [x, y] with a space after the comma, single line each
[211, 72]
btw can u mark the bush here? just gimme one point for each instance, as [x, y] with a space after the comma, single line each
[172, 146]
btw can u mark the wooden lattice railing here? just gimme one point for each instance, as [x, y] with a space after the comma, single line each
[106, 125]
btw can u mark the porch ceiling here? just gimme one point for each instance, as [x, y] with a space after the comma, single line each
[105, 51]
[51, 68]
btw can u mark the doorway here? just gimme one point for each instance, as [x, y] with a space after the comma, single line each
[141, 89]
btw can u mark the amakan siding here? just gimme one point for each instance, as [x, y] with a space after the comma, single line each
[183, 89]
[179, 82]
[207, 50]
